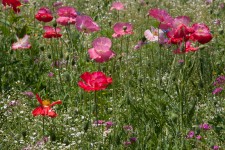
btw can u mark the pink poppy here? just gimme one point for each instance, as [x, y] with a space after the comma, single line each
[44, 14]
[101, 50]
[86, 24]
[22, 43]
[201, 33]
[121, 29]
[67, 15]
[117, 6]
[162, 16]
[51, 32]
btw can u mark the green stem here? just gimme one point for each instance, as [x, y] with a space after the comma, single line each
[43, 126]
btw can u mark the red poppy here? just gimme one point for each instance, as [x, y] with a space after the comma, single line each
[51, 32]
[94, 81]
[46, 108]
[201, 33]
[44, 14]
[12, 3]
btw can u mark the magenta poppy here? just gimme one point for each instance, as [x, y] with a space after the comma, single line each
[67, 15]
[22, 43]
[45, 108]
[51, 32]
[122, 28]
[185, 49]
[44, 14]
[201, 33]
[86, 24]
[94, 81]
[101, 50]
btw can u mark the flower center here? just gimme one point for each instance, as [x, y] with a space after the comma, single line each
[46, 103]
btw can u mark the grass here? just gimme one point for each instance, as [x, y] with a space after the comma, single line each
[159, 97]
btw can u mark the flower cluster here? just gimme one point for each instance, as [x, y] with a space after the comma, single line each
[219, 84]
[179, 31]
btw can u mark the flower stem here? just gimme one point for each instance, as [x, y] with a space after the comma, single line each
[43, 126]
[96, 108]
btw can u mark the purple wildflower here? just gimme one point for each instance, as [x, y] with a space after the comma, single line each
[191, 134]
[205, 126]
[215, 147]
[217, 90]
[133, 139]
[29, 94]
[219, 81]
[199, 137]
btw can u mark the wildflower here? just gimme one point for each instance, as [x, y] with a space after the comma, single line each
[117, 6]
[121, 29]
[139, 45]
[191, 134]
[94, 81]
[51, 32]
[50, 74]
[67, 15]
[42, 141]
[26, 1]
[13, 103]
[101, 50]
[86, 24]
[219, 81]
[205, 126]
[28, 94]
[22, 43]
[185, 49]
[153, 34]
[127, 143]
[133, 139]
[98, 122]
[215, 147]
[45, 108]
[12, 3]
[108, 124]
[217, 90]
[201, 33]
[198, 137]
[44, 14]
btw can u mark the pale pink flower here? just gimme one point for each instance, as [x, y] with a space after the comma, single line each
[22, 43]
[122, 28]
[153, 34]
[101, 50]
[65, 21]
[86, 24]
[117, 6]
[57, 4]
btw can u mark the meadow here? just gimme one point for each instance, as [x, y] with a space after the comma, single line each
[134, 74]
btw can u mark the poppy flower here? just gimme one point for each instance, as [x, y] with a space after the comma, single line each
[101, 50]
[201, 33]
[12, 3]
[45, 108]
[154, 34]
[51, 32]
[117, 6]
[86, 24]
[122, 28]
[94, 81]
[44, 14]
[22, 43]
[67, 15]
[162, 16]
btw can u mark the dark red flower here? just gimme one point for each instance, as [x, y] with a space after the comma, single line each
[51, 32]
[94, 81]
[201, 33]
[44, 14]
[12, 3]
[46, 108]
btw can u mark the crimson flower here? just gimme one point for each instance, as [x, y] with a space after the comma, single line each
[51, 32]
[94, 81]
[121, 29]
[201, 33]
[46, 108]
[12, 3]
[44, 14]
